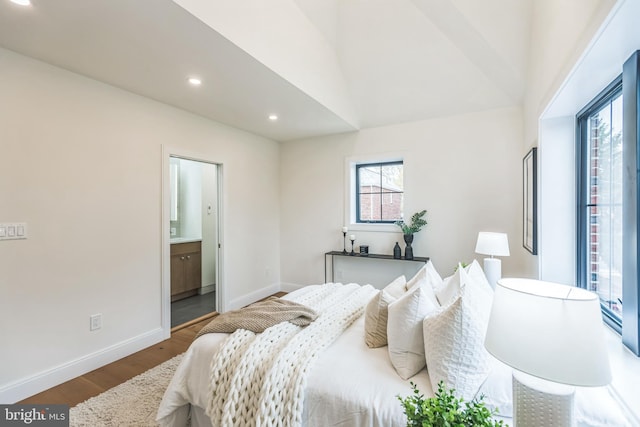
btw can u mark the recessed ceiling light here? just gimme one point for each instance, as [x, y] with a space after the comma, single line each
[273, 117]
[22, 2]
[194, 81]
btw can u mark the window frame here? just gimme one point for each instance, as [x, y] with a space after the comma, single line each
[613, 90]
[356, 189]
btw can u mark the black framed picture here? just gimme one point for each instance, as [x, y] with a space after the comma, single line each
[530, 198]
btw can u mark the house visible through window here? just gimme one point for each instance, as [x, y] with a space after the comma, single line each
[600, 200]
[379, 192]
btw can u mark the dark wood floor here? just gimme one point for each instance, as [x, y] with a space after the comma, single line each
[102, 379]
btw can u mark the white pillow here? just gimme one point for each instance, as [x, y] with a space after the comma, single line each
[471, 275]
[454, 337]
[476, 275]
[404, 330]
[451, 287]
[427, 273]
[375, 315]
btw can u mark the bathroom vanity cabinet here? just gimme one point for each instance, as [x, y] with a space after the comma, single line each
[186, 269]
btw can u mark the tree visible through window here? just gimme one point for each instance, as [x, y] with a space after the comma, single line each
[602, 201]
[379, 192]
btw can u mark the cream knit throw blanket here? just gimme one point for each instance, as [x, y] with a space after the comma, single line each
[259, 316]
[259, 379]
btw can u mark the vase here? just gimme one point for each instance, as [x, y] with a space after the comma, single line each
[397, 252]
[408, 251]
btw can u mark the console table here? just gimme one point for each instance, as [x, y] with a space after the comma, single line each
[333, 254]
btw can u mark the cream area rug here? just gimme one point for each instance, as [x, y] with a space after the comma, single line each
[133, 403]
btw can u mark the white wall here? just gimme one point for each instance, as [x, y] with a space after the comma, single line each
[209, 220]
[465, 170]
[560, 33]
[82, 165]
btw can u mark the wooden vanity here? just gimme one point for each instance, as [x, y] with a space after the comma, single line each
[186, 269]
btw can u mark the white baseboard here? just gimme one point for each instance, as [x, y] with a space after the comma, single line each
[253, 296]
[207, 289]
[26, 387]
[290, 287]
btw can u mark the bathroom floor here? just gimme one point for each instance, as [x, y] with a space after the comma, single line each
[191, 308]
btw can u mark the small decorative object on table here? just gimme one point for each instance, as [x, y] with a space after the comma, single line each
[364, 250]
[408, 230]
[353, 239]
[344, 239]
[397, 252]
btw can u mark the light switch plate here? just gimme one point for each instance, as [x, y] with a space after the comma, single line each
[13, 230]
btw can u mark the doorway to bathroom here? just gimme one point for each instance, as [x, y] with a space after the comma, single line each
[193, 238]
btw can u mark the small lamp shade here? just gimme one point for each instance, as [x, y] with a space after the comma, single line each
[494, 244]
[550, 331]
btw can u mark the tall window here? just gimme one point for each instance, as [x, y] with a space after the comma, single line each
[379, 192]
[600, 199]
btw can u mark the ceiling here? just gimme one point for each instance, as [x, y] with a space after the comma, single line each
[322, 66]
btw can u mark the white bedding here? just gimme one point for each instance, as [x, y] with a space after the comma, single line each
[350, 384]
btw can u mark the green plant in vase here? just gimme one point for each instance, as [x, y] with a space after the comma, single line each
[408, 230]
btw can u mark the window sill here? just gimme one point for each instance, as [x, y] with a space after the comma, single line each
[625, 367]
[384, 228]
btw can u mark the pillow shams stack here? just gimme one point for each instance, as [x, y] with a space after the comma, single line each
[440, 323]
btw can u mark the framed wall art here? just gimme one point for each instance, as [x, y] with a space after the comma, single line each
[530, 205]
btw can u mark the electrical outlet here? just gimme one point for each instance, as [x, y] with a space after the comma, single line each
[95, 322]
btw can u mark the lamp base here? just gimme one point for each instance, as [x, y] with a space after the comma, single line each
[493, 270]
[541, 403]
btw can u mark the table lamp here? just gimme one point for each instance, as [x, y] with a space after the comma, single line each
[552, 335]
[492, 244]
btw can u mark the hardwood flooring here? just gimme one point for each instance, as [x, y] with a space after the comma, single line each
[102, 379]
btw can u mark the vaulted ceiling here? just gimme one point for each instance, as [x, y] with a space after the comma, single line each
[322, 66]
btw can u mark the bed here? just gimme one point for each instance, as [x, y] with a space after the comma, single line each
[350, 384]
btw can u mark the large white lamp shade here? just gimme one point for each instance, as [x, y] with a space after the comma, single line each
[550, 331]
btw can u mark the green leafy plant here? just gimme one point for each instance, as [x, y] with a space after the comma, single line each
[446, 410]
[417, 222]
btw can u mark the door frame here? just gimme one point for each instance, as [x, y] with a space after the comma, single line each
[165, 260]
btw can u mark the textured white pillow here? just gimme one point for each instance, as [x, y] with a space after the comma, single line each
[375, 315]
[427, 273]
[451, 287]
[471, 275]
[454, 337]
[404, 330]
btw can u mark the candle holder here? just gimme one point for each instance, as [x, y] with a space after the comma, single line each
[352, 252]
[344, 242]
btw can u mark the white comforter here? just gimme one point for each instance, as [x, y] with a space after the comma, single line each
[349, 385]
